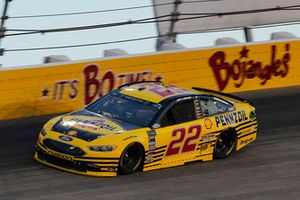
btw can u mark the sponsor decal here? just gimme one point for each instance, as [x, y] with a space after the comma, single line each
[253, 128]
[208, 123]
[252, 116]
[59, 155]
[96, 123]
[203, 147]
[231, 118]
[65, 138]
[243, 68]
[209, 137]
[134, 99]
[246, 141]
[248, 130]
[149, 158]
[152, 145]
[88, 126]
[151, 139]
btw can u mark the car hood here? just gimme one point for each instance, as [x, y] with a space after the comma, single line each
[89, 126]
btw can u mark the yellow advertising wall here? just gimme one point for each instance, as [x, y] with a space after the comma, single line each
[66, 87]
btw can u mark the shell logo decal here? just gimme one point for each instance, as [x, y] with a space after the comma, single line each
[208, 123]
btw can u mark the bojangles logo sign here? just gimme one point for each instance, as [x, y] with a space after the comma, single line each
[244, 67]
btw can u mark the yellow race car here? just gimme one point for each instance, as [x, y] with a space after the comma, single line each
[146, 126]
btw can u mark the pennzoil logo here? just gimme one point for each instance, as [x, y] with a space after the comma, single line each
[231, 118]
[59, 155]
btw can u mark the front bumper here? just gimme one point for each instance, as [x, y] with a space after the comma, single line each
[90, 166]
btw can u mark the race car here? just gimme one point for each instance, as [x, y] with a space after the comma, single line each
[146, 126]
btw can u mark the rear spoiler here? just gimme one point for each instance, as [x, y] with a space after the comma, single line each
[223, 94]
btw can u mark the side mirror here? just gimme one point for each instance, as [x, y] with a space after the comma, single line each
[156, 125]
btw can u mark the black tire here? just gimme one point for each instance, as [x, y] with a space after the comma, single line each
[131, 159]
[225, 144]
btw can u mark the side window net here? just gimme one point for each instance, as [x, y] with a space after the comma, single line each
[181, 112]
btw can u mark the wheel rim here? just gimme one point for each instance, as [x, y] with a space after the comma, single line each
[131, 159]
[225, 143]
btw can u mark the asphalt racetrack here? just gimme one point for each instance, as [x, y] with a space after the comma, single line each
[267, 169]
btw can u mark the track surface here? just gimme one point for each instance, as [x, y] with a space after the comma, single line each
[267, 169]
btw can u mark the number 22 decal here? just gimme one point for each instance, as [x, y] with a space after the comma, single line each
[193, 134]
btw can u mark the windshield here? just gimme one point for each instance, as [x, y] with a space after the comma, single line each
[125, 108]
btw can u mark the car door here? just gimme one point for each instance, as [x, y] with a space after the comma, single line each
[178, 131]
[186, 131]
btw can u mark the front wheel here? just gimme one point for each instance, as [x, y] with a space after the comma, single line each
[131, 159]
[225, 144]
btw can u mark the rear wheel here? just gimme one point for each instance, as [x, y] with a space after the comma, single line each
[131, 159]
[225, 144]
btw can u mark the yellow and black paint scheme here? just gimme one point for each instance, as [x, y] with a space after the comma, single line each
[72, 150]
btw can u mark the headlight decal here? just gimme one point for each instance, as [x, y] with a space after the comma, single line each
[103, 148]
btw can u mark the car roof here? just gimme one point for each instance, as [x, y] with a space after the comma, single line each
[155, 92]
